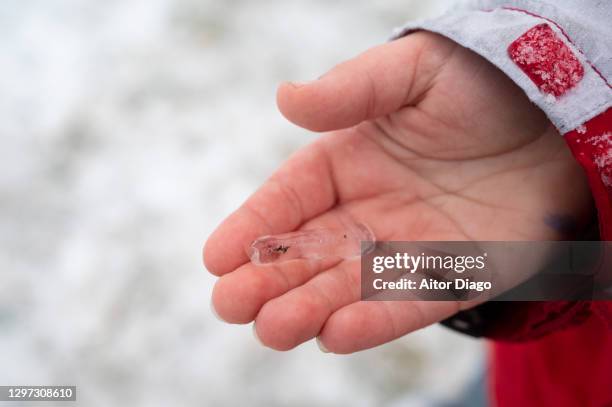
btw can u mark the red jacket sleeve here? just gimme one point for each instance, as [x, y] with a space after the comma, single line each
[560, 57]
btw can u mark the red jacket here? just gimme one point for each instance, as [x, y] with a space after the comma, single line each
[551, 353]
[561, 353]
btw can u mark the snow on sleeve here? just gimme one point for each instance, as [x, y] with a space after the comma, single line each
[546, 60]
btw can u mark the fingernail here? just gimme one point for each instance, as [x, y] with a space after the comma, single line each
[299, 84]
[256, 336]
[321, 346]
[214, 311]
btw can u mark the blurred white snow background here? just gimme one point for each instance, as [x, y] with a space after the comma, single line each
[129, 129]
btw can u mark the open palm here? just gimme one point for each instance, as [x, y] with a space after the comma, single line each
[429, 142]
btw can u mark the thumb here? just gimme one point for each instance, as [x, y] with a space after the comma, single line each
[375, 83]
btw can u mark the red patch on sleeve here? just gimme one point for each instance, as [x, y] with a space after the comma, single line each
[547, 60]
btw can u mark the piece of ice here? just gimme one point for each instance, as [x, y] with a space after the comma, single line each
[312, 244]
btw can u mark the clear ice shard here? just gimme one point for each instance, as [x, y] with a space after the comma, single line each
[345, 243]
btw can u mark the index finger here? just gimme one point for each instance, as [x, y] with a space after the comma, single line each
[300, 190]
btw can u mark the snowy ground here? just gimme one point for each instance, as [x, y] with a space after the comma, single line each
[129, 130]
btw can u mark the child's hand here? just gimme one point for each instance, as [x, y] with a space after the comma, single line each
[437, 145]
